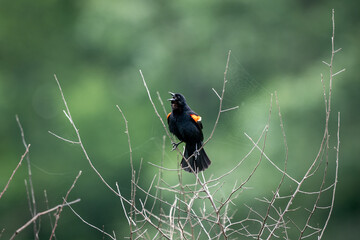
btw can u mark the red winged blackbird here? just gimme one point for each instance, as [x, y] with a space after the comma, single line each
[186, 125]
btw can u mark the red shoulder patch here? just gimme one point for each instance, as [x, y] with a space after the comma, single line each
[168, 115]
[196, 117]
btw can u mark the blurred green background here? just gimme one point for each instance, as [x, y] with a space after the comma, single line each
[96, 49]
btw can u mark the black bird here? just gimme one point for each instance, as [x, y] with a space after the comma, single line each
[186, 125]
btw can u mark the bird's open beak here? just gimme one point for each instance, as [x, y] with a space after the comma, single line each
[173, 97]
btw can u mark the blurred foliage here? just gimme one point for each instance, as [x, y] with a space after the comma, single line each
[96, 49]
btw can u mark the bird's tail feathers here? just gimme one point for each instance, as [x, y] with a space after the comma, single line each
[197, 163]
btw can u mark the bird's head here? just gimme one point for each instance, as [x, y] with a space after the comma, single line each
[178, 101]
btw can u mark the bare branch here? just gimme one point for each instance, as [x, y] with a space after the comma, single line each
[162, 103]
[230, 109]
[326, 63]
[40, 214]
[68, 115]
[216, 93]
[133, 188]
[12, 175]
[123, 206]
[259, 161]
[32, 200]
[64, 139]
[271, 203]
[47, 206]
[87, 223]
[324, 146]
[336, 178]
[57, 215]
[221, 98]
[342, 70]
[155, 109]
[272, 163]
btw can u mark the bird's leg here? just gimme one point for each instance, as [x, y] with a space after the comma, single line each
[196, 152]
[175, 145]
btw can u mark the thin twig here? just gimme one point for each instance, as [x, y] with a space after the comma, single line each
[258, 163]
[2, 231]
[156, 111]
[229, 109]
[336, 179]
[32, 200]
[133, 188]
[221, 98]
[161, 102]
[40, 214]
[323, 145]
[271, 203]
[13, 173]
[64, 139]
[68, 115]
[243, 159]
[123, 206]
[47, 206]
[87, 223]
[272, 163]
[57, 215]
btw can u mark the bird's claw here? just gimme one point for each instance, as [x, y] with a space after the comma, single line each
[196, 153]
[175, 145]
